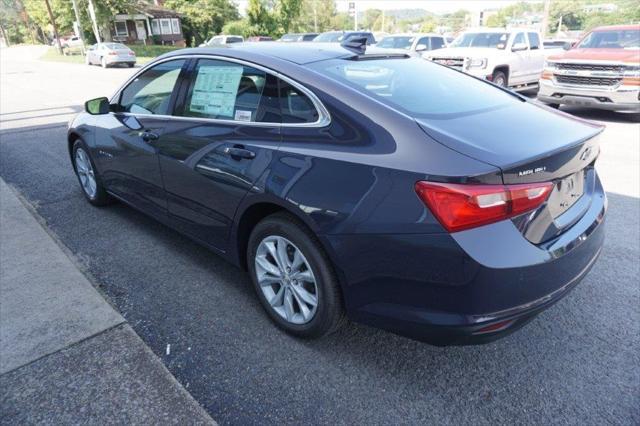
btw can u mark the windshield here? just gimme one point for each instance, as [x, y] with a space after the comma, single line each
[397, 42]
[416, 86]
[332, 37]
[618, 39]
[492, 40]
[115, 46]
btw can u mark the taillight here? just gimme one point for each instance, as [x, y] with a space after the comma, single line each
[458, 207]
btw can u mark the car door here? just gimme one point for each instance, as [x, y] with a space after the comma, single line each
[125, 151]
[536, 57]
[226, 130]
[520, 61]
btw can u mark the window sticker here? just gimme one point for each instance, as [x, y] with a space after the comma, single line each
[242, 115]
[215, 90]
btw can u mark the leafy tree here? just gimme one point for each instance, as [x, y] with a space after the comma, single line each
[203, 18]
[287, 12]
[239, 27]
[315, 15]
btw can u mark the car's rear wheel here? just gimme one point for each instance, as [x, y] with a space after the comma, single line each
[500, 79]
[130, 65]
[88, 177]
[293, 277]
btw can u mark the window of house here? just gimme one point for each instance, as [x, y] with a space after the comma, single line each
[175, 26]
[155, 27]
[165, 26]
[150, 92]
[121, 28]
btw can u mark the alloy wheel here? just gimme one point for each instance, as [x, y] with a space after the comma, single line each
[286, 280]
[86, 173]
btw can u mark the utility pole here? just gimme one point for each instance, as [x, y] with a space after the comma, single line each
[545, 18]
[315, 16]
[92, 14]
[55, 28]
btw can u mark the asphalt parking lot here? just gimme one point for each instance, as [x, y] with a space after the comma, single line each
[577, 363]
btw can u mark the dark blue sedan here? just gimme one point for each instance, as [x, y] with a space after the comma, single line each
[386, 189]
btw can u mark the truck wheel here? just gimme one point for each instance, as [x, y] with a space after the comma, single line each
[499, 79]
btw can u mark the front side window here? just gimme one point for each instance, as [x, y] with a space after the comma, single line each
[534, 41]
[437, 43]
[519, 39]
[231, 91]
[150, 92]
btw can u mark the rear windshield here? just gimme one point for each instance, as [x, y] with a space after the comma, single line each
[234, 40]
[492, 40]
[115, 46]
[329, 37]
[618, 39]
[416, 86]
[397, 42]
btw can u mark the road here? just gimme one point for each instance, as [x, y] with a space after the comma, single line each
[577, 363]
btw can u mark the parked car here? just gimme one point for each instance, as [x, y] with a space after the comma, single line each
[509, 58]
[558, 44]
[221, 40]
[344, 36]
[108, 54]
[298, 37]
[399, 192]
[602, 71]
[260, 38]
[408, 43]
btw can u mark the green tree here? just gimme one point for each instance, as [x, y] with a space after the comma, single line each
[203, 18]
[315, 15]
[288, 11]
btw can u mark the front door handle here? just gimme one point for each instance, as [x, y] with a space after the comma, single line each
[236, 152]
[148, 136]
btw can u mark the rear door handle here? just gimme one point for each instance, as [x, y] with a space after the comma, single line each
[148, 136]
[239, 153]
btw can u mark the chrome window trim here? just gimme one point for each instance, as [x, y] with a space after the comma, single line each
[324, 118]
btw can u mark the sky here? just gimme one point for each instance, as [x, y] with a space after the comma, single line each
[435, 6]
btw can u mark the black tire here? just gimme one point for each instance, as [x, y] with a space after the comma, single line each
[329, 315]
[500, 79]
[130, 65]
[101, 197]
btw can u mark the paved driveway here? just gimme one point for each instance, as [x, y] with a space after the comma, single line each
[579, 362]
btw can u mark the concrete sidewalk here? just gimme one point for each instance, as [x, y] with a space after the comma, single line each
[66, 356]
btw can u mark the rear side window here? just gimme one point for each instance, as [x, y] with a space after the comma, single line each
[534, 41]
[437, 43]
[230, 91]
[150, 92]
[296, 107]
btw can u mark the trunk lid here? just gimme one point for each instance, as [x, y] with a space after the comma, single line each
[529, 143]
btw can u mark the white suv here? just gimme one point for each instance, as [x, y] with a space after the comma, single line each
[510, 58]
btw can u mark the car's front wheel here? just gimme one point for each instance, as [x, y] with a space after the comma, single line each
[500, 79]
[293, 277]
[88, 177]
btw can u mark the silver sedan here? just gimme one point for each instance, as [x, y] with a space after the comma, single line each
[107, 54]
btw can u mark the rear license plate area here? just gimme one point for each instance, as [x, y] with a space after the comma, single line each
[566, 193]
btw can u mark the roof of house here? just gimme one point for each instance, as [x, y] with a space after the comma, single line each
[158, 11]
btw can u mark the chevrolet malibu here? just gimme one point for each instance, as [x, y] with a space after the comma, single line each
[386, 189]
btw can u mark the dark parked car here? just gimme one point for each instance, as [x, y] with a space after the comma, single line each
[298, 37]
[344, 36]
[394, 190]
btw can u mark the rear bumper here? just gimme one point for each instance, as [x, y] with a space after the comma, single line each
[620, 98]
[444, 289]
[118, 60]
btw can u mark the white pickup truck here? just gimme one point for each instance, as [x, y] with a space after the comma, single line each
[510, 58]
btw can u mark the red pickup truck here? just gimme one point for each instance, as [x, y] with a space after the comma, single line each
[601, 71]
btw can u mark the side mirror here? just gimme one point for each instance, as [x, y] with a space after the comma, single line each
[97, 106]
[421, 47]
[519, 47]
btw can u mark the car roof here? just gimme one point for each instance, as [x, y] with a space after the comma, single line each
[618, 27]
[296, 52]
[414, 35]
